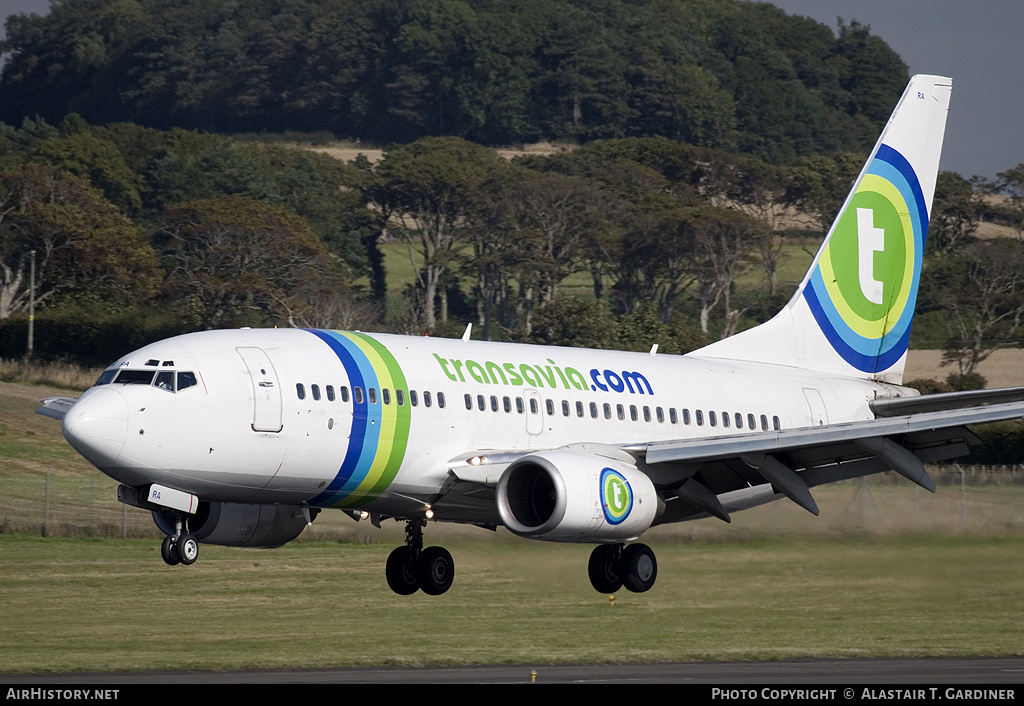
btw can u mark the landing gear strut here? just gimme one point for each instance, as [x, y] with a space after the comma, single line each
[179, 547]
[411, 568]
[613, 566]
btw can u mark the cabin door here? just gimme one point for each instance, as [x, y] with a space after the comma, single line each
[265, 389]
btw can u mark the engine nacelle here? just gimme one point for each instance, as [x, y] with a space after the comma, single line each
[240, 525]
[572, 496]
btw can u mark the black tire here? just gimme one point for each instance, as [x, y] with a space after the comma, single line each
[435, 570]
[401, 572]
[188, 549]
[603, 569]
[169, 551]
[639, 568]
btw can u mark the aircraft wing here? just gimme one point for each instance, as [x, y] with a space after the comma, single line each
[718, 475]
[56, 407]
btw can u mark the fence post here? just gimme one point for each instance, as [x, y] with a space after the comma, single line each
[46, 514]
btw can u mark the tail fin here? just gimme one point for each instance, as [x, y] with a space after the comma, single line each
[851, 314]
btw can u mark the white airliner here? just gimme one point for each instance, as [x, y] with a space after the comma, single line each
[241, 437]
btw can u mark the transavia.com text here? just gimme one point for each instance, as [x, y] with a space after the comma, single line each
[928, 694]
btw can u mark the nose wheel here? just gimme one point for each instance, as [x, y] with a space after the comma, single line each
[180, 547]
[412, 568]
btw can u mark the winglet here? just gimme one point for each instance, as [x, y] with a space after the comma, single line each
[851, 314]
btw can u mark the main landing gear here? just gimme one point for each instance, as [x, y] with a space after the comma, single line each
[412, 568]
[179, 547]
[613, 566]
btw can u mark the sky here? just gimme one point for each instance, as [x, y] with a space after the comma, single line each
[977, 43]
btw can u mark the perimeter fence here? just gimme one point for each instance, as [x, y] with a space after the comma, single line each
[969, 499]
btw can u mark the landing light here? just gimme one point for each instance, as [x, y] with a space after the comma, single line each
[429, 514]
[477, 460]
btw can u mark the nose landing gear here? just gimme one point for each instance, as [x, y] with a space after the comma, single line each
[412, 568]
[180, 547]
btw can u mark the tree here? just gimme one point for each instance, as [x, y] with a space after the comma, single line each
[956, 212]
[1011, 183]
[981, 289]
[427, 191]
[84, 246]
[235, 261]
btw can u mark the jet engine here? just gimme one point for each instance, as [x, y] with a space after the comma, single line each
[566, 495]
[240, 525]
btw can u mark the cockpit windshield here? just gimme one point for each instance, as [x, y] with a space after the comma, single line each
[165, 379]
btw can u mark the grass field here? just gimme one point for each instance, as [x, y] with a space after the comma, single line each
[75, 604]
[887, 570]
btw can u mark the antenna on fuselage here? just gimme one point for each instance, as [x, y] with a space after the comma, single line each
[469, 330]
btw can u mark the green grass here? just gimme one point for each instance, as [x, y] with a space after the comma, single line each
[112, 605]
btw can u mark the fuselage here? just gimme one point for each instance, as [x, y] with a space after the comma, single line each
[352, 420]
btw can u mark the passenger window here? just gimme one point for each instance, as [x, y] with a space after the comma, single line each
[660, 413]
[413, 398]
[686, 417]
[534, 408]
[371, 395]
[712, 419]
[633, 413]
[751, 422]
[579, 409]
[357, 394]
[426, 399]
[739, 420]
[764, 423]
[300, 390]
[607, 411]
[647, 413]
[400, 398]
[344, 393]
[672, 416]
[506, 403]
[330, 393]
[776, 423]
[469, 401]
[519, 405]
[565, 408]
[549, 405]
[494, 403]
[699, 417]
[593, 410]
[315, 389]
[480, 403]
[385, 396]
[440, 400]
[725, 419]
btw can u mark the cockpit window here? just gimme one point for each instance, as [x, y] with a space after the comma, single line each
[106, 377]
[186, 379]
[134, 377]
[165, 381]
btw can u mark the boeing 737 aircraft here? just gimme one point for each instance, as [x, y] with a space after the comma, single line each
[242, 437]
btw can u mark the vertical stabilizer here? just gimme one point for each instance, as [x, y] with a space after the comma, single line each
[851, 314]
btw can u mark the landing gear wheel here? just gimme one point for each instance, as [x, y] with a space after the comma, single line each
[435, 570]
[605, 575]
[401, 572]
[188, 549]
[639, 568]
[169, 551]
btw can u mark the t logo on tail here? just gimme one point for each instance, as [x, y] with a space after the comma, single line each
[869, 241]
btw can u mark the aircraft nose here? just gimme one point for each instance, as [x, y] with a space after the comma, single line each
[97, 424]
